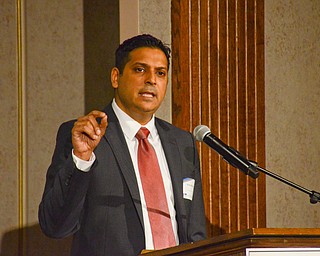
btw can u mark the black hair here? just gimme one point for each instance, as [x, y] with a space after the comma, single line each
[144, 40]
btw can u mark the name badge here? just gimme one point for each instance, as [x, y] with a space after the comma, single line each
[188, 186]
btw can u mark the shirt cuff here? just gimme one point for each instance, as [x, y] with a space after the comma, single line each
[83, 165]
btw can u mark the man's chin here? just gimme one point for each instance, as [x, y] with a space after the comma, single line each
[149, 108]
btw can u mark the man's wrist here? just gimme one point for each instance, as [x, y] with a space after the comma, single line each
[83, 165]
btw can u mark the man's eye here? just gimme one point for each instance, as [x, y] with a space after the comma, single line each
[161, 73]
[140, 69]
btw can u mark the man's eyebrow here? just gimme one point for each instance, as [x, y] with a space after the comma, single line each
[162, 68]
[147, 65]
[140, 63]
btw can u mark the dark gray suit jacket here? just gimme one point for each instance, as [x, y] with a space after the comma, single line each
[101, 208]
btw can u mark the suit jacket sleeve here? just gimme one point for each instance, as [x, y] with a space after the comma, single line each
[65, 190]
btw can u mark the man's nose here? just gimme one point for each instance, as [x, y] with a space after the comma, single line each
[151, 78]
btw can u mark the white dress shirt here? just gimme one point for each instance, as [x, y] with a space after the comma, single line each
[130, 127]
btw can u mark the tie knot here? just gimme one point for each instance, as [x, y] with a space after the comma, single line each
[142, 133]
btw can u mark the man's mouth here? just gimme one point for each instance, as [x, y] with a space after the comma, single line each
[147, 94]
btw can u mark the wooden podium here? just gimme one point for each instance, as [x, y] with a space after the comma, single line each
[238, 243]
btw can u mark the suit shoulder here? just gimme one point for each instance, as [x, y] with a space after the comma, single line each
[65, 129]
[168, 126]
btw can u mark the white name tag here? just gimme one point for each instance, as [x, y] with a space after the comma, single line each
[188, 186]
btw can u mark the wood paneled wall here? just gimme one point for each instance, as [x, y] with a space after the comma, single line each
[218, 81]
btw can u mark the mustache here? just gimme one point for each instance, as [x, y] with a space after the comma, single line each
[149, 89]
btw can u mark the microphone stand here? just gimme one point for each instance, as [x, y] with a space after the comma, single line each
[251, 168]
[314, 195]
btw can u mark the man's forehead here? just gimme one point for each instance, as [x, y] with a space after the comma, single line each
[145, 55]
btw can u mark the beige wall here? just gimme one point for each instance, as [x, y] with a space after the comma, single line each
[9, 211]
[292, 35]
[52, 91]
[53, 81]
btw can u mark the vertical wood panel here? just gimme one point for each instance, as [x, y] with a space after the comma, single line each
[195, 14]
[232, 105]
[181, 83]
[260, 97]
[218, 81]
[241, 122]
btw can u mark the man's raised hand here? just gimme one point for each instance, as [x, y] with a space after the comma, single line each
[87, 133]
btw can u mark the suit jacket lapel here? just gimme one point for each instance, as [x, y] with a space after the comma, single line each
[172, 152]
[118, 144]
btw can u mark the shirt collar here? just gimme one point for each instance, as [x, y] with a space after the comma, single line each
[129, 126]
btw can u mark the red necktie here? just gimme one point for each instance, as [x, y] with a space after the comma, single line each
[154, 193]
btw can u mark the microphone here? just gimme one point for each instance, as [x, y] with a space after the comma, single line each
[229, 154]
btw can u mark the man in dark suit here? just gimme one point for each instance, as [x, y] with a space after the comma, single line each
[94, 189]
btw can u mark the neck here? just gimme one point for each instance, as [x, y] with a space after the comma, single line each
[141, 117]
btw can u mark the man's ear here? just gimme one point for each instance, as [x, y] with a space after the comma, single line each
[115, 76]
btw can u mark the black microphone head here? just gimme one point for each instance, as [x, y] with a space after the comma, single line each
[200, 132]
